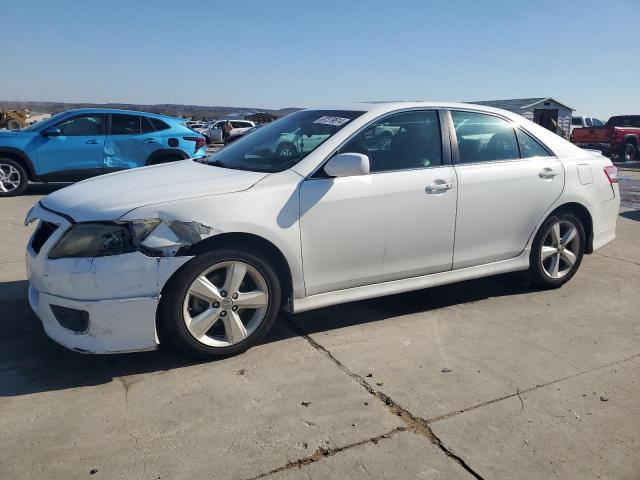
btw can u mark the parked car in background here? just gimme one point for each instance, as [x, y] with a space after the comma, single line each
[214, 134]
[581, 122]
[239, 133]
[83, 143]
[205, 254]
[197, 126]
[618, 138]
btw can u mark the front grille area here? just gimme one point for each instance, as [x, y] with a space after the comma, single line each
[44, 231]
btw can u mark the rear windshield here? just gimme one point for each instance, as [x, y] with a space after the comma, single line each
[283, 143]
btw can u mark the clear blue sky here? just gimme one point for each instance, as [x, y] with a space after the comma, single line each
[300, 53]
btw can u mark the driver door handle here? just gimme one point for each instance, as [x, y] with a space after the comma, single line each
[548, 173]
[93, 142]
[438, 187]
[149, 140]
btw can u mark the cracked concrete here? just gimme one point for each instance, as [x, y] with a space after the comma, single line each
[484, 379]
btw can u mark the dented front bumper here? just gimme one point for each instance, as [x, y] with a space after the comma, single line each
[118, 294]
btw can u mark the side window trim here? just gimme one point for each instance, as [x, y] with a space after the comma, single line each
[318, 172]
[455, 155]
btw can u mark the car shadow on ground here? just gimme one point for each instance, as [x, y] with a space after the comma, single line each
[631, 215]
[635, 166]
[30, 362]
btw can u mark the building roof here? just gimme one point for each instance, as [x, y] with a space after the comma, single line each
[261, 117]
[517, 104]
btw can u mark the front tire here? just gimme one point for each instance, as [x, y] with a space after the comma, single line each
[13, 178]
[557, 250]
[220, 304]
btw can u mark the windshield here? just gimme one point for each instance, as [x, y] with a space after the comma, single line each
[44, 122]
[283, 143]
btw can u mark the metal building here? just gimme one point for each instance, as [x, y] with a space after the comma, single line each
[548, 112]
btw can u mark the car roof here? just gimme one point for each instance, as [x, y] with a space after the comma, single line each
[118, 110]
[383, 107]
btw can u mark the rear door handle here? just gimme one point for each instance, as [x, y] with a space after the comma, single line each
[150, 140]
[438, 187]
[93, 142]
[548, 173]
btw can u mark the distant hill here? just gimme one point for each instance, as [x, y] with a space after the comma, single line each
[197, 112]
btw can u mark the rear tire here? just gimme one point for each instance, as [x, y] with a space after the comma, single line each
[630, 152]
[13, 124]
[557, 250]
[192, 319]
[13, 178]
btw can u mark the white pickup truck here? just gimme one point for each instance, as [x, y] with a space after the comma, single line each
[582, 122]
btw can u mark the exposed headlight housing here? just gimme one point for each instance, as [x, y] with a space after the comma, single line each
[101, 239]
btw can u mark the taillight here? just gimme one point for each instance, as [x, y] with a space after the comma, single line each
[199, 142]
[612, 173]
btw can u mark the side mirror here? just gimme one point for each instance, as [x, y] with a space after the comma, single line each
[347, 165]
[52, 132]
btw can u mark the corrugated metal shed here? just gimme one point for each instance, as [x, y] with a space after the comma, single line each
[261, 117]
[546, 111]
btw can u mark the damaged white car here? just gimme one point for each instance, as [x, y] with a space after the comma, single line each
[206, 253]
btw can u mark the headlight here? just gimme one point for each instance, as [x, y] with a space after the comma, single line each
[100, 239]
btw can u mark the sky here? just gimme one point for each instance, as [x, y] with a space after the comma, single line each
[280, 53]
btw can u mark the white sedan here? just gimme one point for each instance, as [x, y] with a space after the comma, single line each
[206, 254]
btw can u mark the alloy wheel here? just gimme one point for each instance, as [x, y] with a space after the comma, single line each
[225, 304]
[9, 178]
[560, 249]
[286, 152]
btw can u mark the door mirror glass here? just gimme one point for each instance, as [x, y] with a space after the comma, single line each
[52, 132]
[347, 165]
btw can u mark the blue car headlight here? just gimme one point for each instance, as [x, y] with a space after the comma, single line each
[100, 239]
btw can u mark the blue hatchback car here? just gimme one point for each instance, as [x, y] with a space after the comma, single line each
[83, 143]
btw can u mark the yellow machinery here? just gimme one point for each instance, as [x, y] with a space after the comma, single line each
[12, 119]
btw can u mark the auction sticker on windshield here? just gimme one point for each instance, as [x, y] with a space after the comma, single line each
[336, 121]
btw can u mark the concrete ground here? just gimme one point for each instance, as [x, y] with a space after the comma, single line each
[482, 379]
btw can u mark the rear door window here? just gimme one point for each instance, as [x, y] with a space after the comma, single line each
[576, 121]
[125, 124]
[146, 126]
[529, 147]
[159, 124]
[587, 122]
[484, 138]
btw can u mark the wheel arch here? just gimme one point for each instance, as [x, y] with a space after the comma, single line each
[254, 244]
[583, 214]
[20, 157]
[631, 138]
[166, 152]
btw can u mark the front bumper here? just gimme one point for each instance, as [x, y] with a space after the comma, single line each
[121, 325]
[120, 294]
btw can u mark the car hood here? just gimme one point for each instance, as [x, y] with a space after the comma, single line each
[109, 197]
